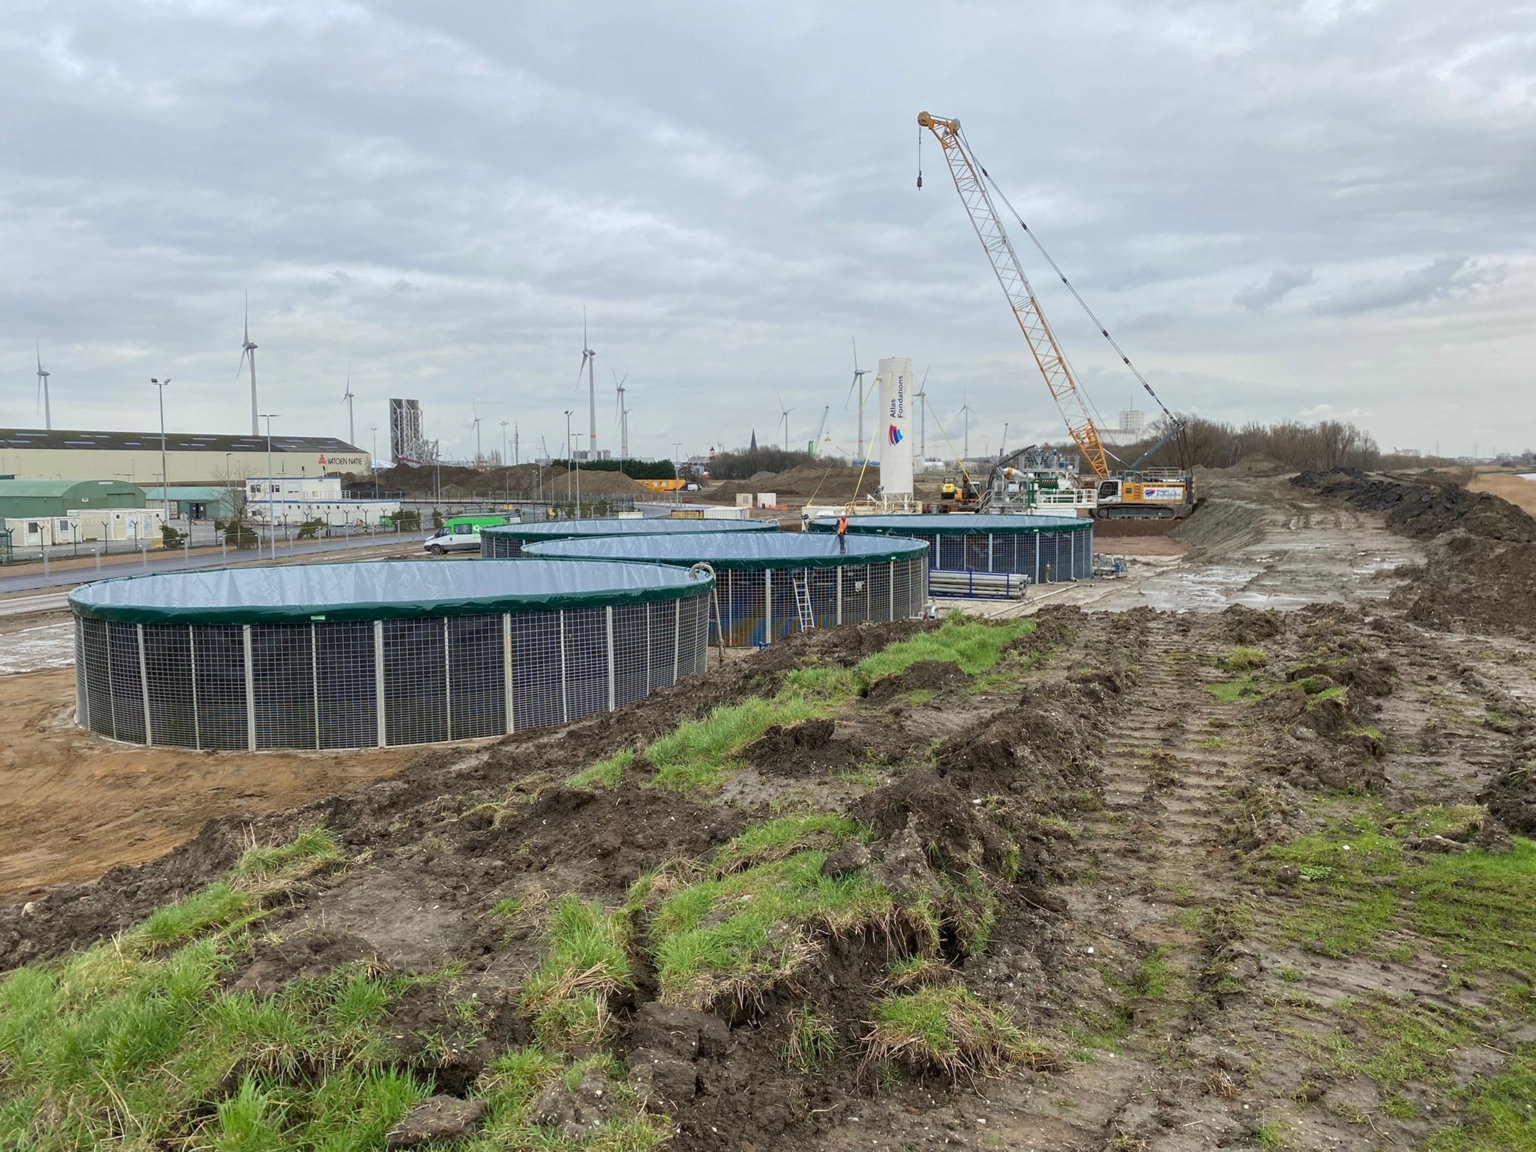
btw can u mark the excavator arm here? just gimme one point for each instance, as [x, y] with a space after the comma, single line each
[970, 183]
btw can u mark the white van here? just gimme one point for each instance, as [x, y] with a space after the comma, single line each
[460, 534]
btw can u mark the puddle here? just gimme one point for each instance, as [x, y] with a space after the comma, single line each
[37, 649]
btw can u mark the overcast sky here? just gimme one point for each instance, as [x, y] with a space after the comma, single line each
[1282, 210]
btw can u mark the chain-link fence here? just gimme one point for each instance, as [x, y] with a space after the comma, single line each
[371, 683]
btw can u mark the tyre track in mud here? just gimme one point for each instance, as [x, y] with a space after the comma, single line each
[1155, 901]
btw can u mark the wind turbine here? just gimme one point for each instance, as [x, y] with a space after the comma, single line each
[42, 387]
[621, 416]
[784, 419]
[965, 410]
[475, 427]
[858, 386]
[247, 349]
[346, 398]
[921, 396]
[588, 364]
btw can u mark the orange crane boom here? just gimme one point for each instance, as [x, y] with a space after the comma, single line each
[1064, 387]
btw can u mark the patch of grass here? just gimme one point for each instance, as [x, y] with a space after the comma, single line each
[1155, 975]
[1292, 975]
[1474, 907]
[949, 1029]
[1496, 1111]
[134, 1042]
[1242, 658]
[735, 936]
[311, 851]
[811, 1042]
[586, 963]
[696, 754]
[911, 972]
[975, 645]
[1274, 1136]
[512, 1082]
[1246, 687]
[605, 773]
[1211, 744]
[784, 837]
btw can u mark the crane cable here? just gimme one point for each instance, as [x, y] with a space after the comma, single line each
[1099, 324]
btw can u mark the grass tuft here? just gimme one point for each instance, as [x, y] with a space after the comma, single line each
[949, 1029]
[607, 773]
[811, 1042]
[586, 964]
[784, 837]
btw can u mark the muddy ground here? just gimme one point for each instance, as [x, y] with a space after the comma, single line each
[1152, 754]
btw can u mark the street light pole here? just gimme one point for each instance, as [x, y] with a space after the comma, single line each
[165, 481]
[374, 458]
[271, 515]
[568, 460]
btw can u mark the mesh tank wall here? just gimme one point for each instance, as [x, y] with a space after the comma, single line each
[758, 606]
[1044, 557]
[362, 684]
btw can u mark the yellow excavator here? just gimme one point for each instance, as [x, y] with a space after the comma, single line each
[1135, 492]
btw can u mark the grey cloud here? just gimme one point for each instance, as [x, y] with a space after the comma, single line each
[732, 203]
[1443, 277]
[1281, 282]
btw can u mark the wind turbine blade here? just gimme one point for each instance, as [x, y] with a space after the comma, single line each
[855, 353]
[244, 352]
[247, 316]
[39, 357]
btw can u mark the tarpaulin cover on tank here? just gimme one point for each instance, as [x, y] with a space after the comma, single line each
[376, 590]
[612, 526]
[953, 524]
[752, 550]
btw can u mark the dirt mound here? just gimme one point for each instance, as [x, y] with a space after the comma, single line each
[925, 675]
[1426, 506]
[955, 833]
[811, 748]
[1511, 796]
[1481, 570]
[1249, 626]
[1475, 584]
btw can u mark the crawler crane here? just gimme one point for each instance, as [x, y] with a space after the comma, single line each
[1133, 492]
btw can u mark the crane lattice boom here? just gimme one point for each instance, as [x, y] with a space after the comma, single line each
[1064, 388]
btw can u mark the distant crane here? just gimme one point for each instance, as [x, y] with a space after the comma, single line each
[815, 441]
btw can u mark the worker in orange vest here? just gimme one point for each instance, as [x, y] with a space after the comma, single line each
[842, 533]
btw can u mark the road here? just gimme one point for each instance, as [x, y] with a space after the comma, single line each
[178, 562]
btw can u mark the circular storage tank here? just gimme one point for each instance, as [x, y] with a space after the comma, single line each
[507, 540]
[1045, 549]
[771, 585]
[377, 653]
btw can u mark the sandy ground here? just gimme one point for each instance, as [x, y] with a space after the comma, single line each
[76, 804]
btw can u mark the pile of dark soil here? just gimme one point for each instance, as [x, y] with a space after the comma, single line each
[1425, 507]
[1481, 570]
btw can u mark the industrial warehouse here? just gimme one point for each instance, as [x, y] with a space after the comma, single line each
[135, 457]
